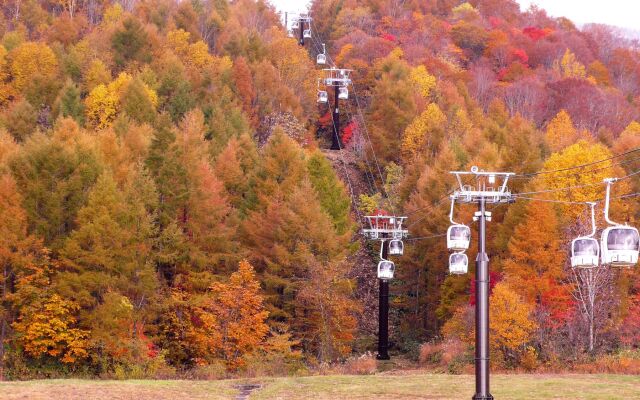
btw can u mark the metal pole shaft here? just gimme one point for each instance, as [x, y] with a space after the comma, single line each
[301, 26]
[383, 312]
[482, 311]
[336, 143]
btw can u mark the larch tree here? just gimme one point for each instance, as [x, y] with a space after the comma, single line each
[535, 261]
[331, 192]
[238, 309]
[244, 85]
[393, 106]
[236, 167]
[560, 132]
[326, 311]
[108, 266]
[53, 178]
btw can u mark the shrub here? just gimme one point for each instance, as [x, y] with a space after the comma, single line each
[365, 364]
[213, 371]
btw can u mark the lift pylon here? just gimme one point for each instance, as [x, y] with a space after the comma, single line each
[489, 187]
[386, 229]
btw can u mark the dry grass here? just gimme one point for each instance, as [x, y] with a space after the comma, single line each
[75, 389]
[452, 387]
[393, 386]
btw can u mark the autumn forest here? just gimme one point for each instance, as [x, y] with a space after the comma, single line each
[170, 205]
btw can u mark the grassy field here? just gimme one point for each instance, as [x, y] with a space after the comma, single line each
[382, 386]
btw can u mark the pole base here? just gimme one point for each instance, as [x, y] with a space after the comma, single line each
[383, 357]
[481, 397]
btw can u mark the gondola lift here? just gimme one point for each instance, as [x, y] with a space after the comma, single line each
[458, 264]
[619, 244]
[585, 250]
[396, 247]
[343, 93]
[458, 235]
[321, 58]
[386, 268]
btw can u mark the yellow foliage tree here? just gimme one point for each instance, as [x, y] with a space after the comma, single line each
[195, 54]
[561, 133]
[32, 59]
[6, 91]
[423, 80]
[569, 67]
[199, 55]
[112, 14]
[460, 124]
[101, 106]
[103, 103]
[178, 40]
[511, 325]
[97, 74]
[48, 330]
[590, 184]
[422, 131]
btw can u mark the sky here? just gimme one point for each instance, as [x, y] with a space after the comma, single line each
[622, 13]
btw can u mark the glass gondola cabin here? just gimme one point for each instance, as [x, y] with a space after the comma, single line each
[458, 264]
[458, 237]
[321, 59]
[620, 246]
[396, 247]
[343, 93]
[306, 34]
[386, 269]
[323, 97]
[585, 253]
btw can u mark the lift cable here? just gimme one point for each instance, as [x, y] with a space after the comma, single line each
[625, 162]
[344, 163]
[366, 158]
[317, 44]
[577, 186]
[430, 208]
[346, 171]
[550, 200]
[426, 237]
[366, 130]
[577, 166]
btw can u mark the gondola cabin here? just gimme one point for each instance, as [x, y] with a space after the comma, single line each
[458, 264]
[458, 237]
[620, 246]
[321, 59]
[323, 97]
[386, 269]
[343, 93]
[306, 34]
[396, 247]
[585, 253]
